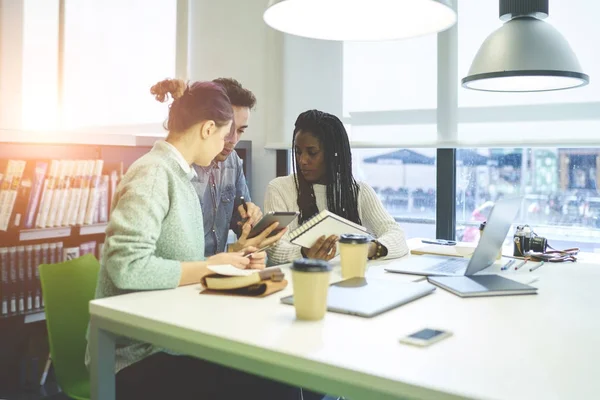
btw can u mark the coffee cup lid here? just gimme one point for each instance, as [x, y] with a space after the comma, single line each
[310, 265]
[354, 238]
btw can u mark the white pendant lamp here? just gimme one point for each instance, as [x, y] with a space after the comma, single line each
[525, 55]
[360, 20]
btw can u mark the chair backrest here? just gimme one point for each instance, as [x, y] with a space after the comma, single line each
[67, 289]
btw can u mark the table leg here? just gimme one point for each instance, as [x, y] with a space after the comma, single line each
[102, 366]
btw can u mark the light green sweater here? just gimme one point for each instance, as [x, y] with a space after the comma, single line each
[155, 223]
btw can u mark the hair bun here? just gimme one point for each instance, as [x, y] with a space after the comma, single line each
[174, 87]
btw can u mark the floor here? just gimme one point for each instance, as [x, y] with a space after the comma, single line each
[50, 391]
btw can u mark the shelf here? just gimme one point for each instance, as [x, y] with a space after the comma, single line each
[28, 235]
[96, 229]
[35, 317]
[44, 233]
[29, 316]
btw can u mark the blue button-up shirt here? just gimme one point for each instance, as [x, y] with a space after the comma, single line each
[219, 187]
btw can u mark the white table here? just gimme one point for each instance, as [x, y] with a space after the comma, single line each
[545, 346]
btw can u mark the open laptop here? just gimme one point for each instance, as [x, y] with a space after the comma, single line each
[370, 297]
[490, 244]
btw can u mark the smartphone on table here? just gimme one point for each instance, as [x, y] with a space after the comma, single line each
[441, 242]
[425, 337]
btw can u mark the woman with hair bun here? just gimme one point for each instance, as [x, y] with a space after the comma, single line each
[155, 240]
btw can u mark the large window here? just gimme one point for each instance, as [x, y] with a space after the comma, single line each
[559, 187]
[40, 65]
[390, 101]
[114, 51]
[405, 181]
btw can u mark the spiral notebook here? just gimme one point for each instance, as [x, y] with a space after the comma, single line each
[324, 223]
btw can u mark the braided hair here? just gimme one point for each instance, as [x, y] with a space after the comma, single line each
[342, 189]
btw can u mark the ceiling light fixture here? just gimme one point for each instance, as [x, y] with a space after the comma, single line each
[360, 20]
[526, 54]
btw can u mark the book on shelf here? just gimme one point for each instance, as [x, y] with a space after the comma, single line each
[20, 287]
[55, 193]
[325, 224]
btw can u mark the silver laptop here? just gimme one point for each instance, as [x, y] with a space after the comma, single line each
[370, 297]
[497, 227]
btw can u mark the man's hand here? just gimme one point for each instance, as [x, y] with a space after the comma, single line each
[259, 241]
[252, 216]
[323, 249]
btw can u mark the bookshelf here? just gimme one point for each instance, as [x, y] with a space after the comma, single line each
[54, 206]
[25, 329]
[23, 336]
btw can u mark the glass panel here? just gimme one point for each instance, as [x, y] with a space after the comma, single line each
[115, 50]
[393, 75]
[405, 181]
[559, 188]
[40, 65]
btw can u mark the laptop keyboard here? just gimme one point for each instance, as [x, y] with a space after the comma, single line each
[450, 266]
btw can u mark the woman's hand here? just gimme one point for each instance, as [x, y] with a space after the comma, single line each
[323, 249]
[259, 241]
[257, 260]
[236, 259]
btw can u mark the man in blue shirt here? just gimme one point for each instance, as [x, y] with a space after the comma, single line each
[221, 185]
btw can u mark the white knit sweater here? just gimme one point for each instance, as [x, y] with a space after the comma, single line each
[281, 195]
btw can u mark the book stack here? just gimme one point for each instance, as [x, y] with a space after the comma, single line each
[20, 289]
[56, 193]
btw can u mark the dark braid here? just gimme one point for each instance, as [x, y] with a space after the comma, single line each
[342, 189]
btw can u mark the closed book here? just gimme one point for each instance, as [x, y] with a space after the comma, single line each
[41, 167]
[47, 195]
[325, 224]
[481, 285]
[37, 288]
[22, 288]
[226, 279]
[4, 282]
[440, 250]
[13, 279]
[29, 260]
[17, 219]
[45, 260]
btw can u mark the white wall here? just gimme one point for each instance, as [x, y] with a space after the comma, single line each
[11, 63]
[228, 38]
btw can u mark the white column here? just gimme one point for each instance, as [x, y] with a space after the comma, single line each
[447, 80]
[228, 38]
[313, 79]
[181, 40]
[11, 63]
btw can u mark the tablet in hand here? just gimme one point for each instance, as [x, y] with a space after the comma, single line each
[283, 217]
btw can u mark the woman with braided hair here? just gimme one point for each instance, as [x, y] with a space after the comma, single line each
[323, 179]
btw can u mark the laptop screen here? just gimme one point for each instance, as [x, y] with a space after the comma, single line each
[492, 238]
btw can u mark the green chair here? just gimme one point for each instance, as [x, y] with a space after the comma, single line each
[67, 289]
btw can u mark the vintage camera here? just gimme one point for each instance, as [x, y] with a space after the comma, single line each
[525, 241]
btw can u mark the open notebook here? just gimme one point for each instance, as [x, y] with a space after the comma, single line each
[324, 223]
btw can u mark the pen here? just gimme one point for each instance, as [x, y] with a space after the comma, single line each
[507, 265]
[537, 266]
[244, 203]
[259, 250]
[520, 264]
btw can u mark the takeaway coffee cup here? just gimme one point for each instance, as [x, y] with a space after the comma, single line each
[310, 280]
[354, 250]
